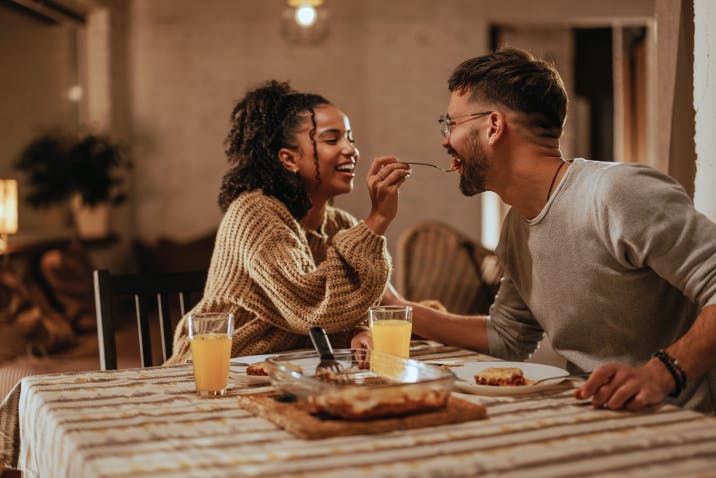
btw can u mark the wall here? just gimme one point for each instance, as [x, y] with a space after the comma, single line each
[705, 106]
[386, 66]
[38, 65]
[384, 63]
[177, 67]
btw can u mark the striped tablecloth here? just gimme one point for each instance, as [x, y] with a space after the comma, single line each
[149, 422]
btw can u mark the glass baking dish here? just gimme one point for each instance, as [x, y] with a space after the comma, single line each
[379, 384]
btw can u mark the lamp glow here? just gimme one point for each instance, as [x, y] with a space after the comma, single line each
[306, 15]
[8, 210]
[75, 93]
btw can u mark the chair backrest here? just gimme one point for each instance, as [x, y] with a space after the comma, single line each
[436, 261]
[145, 289]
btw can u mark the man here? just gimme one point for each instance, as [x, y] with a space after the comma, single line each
[610, 261]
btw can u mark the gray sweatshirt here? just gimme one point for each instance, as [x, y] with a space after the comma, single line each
[617, 265]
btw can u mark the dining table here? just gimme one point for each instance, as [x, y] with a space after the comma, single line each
[150, 422]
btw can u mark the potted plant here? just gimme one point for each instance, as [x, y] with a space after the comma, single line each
[87, 170]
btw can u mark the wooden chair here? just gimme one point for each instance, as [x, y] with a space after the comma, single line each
[145, 289]
[436, 261]
[9, 473]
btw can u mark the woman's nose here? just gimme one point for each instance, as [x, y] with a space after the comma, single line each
[350, 150]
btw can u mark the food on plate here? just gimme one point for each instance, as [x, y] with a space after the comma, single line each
[258, 368]
[362, 403]
[262, 369]
[500, 376]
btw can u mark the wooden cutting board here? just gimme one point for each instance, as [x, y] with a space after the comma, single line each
[295, 418]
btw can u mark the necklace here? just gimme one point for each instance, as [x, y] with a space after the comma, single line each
[554, 178]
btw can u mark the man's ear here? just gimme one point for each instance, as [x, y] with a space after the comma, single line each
[289, 159]
[496, 127]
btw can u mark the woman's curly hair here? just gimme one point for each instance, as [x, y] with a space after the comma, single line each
[262, 123]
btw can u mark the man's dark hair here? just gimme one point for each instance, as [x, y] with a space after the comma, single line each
[517, 80]
[262, 123]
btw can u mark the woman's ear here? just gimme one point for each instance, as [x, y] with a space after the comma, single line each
[289, 159]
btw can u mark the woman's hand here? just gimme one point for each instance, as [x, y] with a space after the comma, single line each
[362, 340]
[385, 177]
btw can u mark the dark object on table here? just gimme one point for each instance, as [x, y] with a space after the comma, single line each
[328, 369]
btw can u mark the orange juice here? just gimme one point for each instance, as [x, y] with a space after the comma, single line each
[391, 336]
[210, 354]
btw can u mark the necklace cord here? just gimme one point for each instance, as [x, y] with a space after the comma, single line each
[554, 178]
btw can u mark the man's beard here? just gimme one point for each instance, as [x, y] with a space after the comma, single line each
[474, 169]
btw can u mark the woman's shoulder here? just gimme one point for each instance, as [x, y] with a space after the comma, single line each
[256, 211]
[256, 203]
[254, 218]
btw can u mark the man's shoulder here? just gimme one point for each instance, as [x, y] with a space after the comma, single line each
[617, 181]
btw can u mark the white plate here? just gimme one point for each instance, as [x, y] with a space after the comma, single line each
[243, 380]
[532, 371]
[250, 358]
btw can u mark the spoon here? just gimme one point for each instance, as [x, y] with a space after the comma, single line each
[434, 166]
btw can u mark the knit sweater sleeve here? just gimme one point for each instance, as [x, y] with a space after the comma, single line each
[334, 294]
[648, 220]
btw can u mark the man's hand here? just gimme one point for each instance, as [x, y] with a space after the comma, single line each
[616, 386]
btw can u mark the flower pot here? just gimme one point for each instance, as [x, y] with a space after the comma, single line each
[91, 222]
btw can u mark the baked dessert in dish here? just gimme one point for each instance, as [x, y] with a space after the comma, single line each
[501, 376]
[378, 385]
[363, 403]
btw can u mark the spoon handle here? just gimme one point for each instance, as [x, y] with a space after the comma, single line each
[433, 166]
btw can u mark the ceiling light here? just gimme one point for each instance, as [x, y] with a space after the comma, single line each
[305, 15]
[305, 21]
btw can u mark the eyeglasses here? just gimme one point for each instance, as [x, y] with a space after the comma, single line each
[448, 124]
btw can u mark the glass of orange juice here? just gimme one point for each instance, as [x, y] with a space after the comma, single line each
[210, 341]
[390, 329]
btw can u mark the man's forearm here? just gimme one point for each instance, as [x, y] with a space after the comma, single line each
[450, 329]
[696, 350]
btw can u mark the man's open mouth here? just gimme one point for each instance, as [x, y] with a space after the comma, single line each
[456, 163]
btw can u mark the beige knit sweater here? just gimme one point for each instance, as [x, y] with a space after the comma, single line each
[279, 280]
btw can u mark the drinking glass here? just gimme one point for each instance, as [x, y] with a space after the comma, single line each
[390, 329]
[210, 341]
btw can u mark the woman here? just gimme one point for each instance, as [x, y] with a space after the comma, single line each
[284, 259]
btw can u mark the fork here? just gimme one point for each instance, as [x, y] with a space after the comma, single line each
[580, 376]
[325, 352]
[434, 166]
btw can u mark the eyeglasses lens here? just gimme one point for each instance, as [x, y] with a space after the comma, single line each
[445, 124]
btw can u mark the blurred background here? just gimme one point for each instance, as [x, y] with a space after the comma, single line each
[160, 77]
[123, 105]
